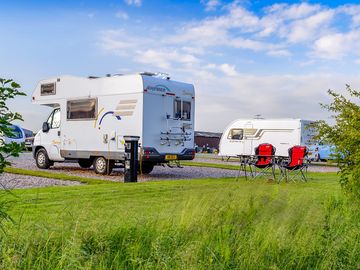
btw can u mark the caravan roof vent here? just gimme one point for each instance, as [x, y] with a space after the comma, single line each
[93, 77]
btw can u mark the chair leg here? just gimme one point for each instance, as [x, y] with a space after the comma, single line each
[273, 171]
[303, 175]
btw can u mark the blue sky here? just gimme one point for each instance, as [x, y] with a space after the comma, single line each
[274, 58]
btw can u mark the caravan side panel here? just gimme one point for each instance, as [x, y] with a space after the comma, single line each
[283, 134]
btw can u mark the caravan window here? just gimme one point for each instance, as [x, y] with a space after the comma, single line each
[84, 109]
[182, 109]
[236, 134]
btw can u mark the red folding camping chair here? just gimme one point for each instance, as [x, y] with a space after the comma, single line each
[264, 161]
[296, 164]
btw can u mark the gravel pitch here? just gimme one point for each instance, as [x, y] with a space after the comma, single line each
[11, 181]
[26, 161]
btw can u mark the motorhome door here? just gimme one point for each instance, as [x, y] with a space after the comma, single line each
[51, 139]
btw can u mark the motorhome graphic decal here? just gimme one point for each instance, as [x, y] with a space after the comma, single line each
[109, 113]
[123, 108]
[158, 88]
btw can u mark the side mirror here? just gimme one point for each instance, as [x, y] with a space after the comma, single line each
[45, 127]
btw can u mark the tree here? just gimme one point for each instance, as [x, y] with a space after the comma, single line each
[345, 136]
[8, 90]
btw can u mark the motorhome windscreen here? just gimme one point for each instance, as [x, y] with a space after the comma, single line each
[182, 110]
[81, 109]
[236, 134]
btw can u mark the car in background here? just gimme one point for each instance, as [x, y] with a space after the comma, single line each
[17, 136]
[321, 152]
[29, 141]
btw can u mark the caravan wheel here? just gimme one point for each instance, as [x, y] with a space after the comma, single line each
[103, 165]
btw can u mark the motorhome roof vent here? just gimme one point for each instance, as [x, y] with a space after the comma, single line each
[161, 75]
[93, 77]
[146, 73]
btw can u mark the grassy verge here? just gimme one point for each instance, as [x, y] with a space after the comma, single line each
[59, 176]
[202, 224]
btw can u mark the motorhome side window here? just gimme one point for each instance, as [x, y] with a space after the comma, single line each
[236, 134]
[182, 109]
[84, 109]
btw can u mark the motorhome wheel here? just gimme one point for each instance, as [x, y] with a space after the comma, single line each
[85, 163]
[42, 159]
[103, 165]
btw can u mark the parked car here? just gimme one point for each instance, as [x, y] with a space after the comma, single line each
[29, 141]
[321, 152]
[18, 135]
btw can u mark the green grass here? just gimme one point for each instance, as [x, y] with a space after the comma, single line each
[59, 176]
[197, 224]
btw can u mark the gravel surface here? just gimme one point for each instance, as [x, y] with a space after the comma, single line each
[11, 181]
[26, 161]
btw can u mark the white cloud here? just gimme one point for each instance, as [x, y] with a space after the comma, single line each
[279, 53]
[117, 42]
[223, 99]
[276, 31]
[164, 58]
[211, 4]
[133, 2]
[310, 27]
[122, 15]
[226, 69]
[336, 45]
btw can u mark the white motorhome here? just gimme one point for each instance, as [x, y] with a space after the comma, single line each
[241, 136]
[91, 115]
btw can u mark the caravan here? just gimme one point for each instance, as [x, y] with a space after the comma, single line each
[91, 116]
[243, 135]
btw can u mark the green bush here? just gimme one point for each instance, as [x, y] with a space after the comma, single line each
[345, 136]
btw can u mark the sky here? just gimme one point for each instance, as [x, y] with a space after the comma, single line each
[245, 58]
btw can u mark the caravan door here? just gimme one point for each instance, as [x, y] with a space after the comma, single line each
[236, 141]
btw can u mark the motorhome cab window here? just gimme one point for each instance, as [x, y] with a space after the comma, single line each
[182, 110]
[236, 134]
[81, 109]
[54, 119]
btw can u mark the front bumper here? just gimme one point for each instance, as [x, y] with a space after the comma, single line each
[150, 154]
